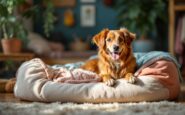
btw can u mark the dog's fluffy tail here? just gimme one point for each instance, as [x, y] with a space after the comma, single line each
[7, 86]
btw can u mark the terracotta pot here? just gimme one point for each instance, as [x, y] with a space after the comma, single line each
[11, 45]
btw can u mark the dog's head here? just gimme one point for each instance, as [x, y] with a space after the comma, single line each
[115, 43]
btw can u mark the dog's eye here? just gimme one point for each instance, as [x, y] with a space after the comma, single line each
[121, 39]
[108, 39]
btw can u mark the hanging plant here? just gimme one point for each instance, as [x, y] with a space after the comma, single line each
[48, 15]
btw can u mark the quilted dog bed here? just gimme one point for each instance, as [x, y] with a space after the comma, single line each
[157, 73]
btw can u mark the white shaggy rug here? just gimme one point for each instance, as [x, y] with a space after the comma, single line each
[142, 108]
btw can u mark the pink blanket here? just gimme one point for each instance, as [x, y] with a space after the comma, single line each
[75, 76]
[68, 76]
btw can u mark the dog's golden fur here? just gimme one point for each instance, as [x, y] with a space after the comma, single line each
[115, 57]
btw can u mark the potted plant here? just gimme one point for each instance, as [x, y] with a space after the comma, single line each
[11, 27]
[140, 16]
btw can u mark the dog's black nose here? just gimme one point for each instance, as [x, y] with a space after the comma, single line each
[116, 48]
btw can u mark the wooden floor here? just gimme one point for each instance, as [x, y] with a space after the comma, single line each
[181, 97]
[9, 97]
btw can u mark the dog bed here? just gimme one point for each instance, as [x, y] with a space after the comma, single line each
[157, 79]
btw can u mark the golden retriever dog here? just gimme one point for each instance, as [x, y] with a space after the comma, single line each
[115, 56]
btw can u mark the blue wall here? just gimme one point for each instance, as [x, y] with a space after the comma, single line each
[105, 18]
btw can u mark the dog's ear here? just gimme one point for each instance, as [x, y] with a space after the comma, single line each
[99, 39]
[132, 36]
[128, 35]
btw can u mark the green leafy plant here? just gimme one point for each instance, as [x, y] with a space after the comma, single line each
[49, 21]
[140, 15]
[48, 15]
[9, 65]
[10, 25]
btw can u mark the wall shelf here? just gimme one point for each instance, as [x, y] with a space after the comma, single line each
[179, 7]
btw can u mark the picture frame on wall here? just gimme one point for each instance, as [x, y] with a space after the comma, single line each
[88, 16]
[88, 1]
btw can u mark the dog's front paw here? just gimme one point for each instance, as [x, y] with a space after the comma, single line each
[130, 78]
[110, 82]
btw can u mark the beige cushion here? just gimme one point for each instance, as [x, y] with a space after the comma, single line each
[33, 85]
